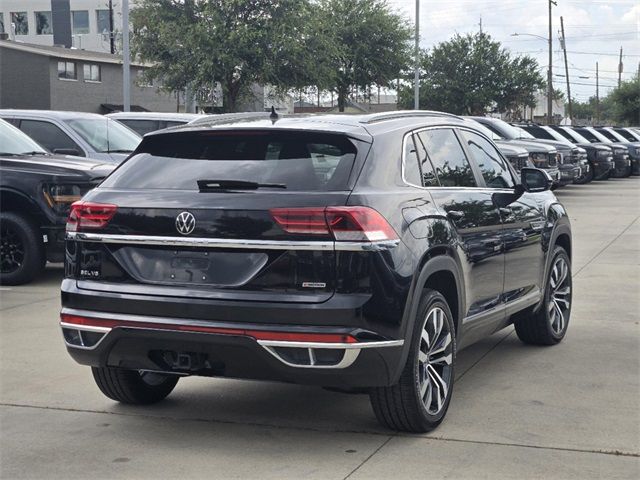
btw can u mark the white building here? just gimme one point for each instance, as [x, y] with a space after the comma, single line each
[539, 112]
[31, 21]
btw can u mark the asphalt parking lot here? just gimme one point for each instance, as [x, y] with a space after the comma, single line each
[570, 411]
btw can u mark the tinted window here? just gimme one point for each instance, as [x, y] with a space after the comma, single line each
[587, 134]
[16, 142]
[300, 161]
[539, 132]
[626, 134]
[142, 126]
[48, 135]
[493, 167]
[411, 168]
[448, 158]
[171, 123]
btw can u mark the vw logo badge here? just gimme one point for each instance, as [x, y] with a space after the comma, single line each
[185, 223]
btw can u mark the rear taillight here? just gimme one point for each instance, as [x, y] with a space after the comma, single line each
[89, 216]
[350, 224]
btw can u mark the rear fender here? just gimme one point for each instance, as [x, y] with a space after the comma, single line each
[437, 263]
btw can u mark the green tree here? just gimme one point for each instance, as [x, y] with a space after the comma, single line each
[588, 111]
[626, 101]
[471, 73]
[371, 45]
[198, 44]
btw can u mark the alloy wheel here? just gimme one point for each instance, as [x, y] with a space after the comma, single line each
[559, 295]
[11, 250]
[435, 357]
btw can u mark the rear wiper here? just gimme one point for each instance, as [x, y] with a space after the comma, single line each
[208, 185]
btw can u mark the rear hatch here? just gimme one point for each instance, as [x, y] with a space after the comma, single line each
[238, 215]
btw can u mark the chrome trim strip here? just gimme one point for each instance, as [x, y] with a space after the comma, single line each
[528, 299]
[351, 351]
[84, 328]
[348, 358]
[344, 346]
[195, 242]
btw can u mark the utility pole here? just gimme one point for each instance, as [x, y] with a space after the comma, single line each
[112, 39]
[550, 72]
[620, 69]
[480, 24]
[566, 69]
[416, 87]
[126, 73]
[597, 95]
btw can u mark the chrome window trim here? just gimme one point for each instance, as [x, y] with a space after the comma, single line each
[195, 242]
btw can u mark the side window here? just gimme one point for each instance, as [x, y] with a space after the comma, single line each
[48, 135]
[447, 157]
[494, 169]
[141, 126]
[171, 123]
[411, 168]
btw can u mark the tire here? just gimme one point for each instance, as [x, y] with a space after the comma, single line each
[549, 324]
[133, 387]
[401, 406]
[22, 255]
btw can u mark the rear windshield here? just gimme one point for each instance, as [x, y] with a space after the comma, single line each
[291, 160]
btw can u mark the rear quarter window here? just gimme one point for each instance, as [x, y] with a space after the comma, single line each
[297, 160]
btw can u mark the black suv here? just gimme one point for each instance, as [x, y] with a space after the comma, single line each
[36, 191]
[353, 252]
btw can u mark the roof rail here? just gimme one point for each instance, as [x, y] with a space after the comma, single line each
[380, 117]
[227, 117]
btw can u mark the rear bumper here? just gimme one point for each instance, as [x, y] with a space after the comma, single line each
[250, 351]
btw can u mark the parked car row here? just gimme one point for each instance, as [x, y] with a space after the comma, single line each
[62, 145]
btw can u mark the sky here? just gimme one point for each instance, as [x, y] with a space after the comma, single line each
[594, 29]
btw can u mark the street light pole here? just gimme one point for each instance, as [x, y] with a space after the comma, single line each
[126, 74]
[550, 73]
[416, 80]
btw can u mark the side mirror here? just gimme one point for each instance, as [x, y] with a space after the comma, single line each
[67, 151]
[535, 180]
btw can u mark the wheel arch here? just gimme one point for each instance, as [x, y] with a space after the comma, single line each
[440, 271]
[15, 201]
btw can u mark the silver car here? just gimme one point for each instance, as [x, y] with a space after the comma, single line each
[76, 133]
[145, 122]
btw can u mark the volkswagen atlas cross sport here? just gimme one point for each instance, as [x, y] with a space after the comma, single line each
[352, 252]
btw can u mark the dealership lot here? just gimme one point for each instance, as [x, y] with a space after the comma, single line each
[569, 411]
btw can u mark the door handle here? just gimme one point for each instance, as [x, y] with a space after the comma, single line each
[455, 214]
